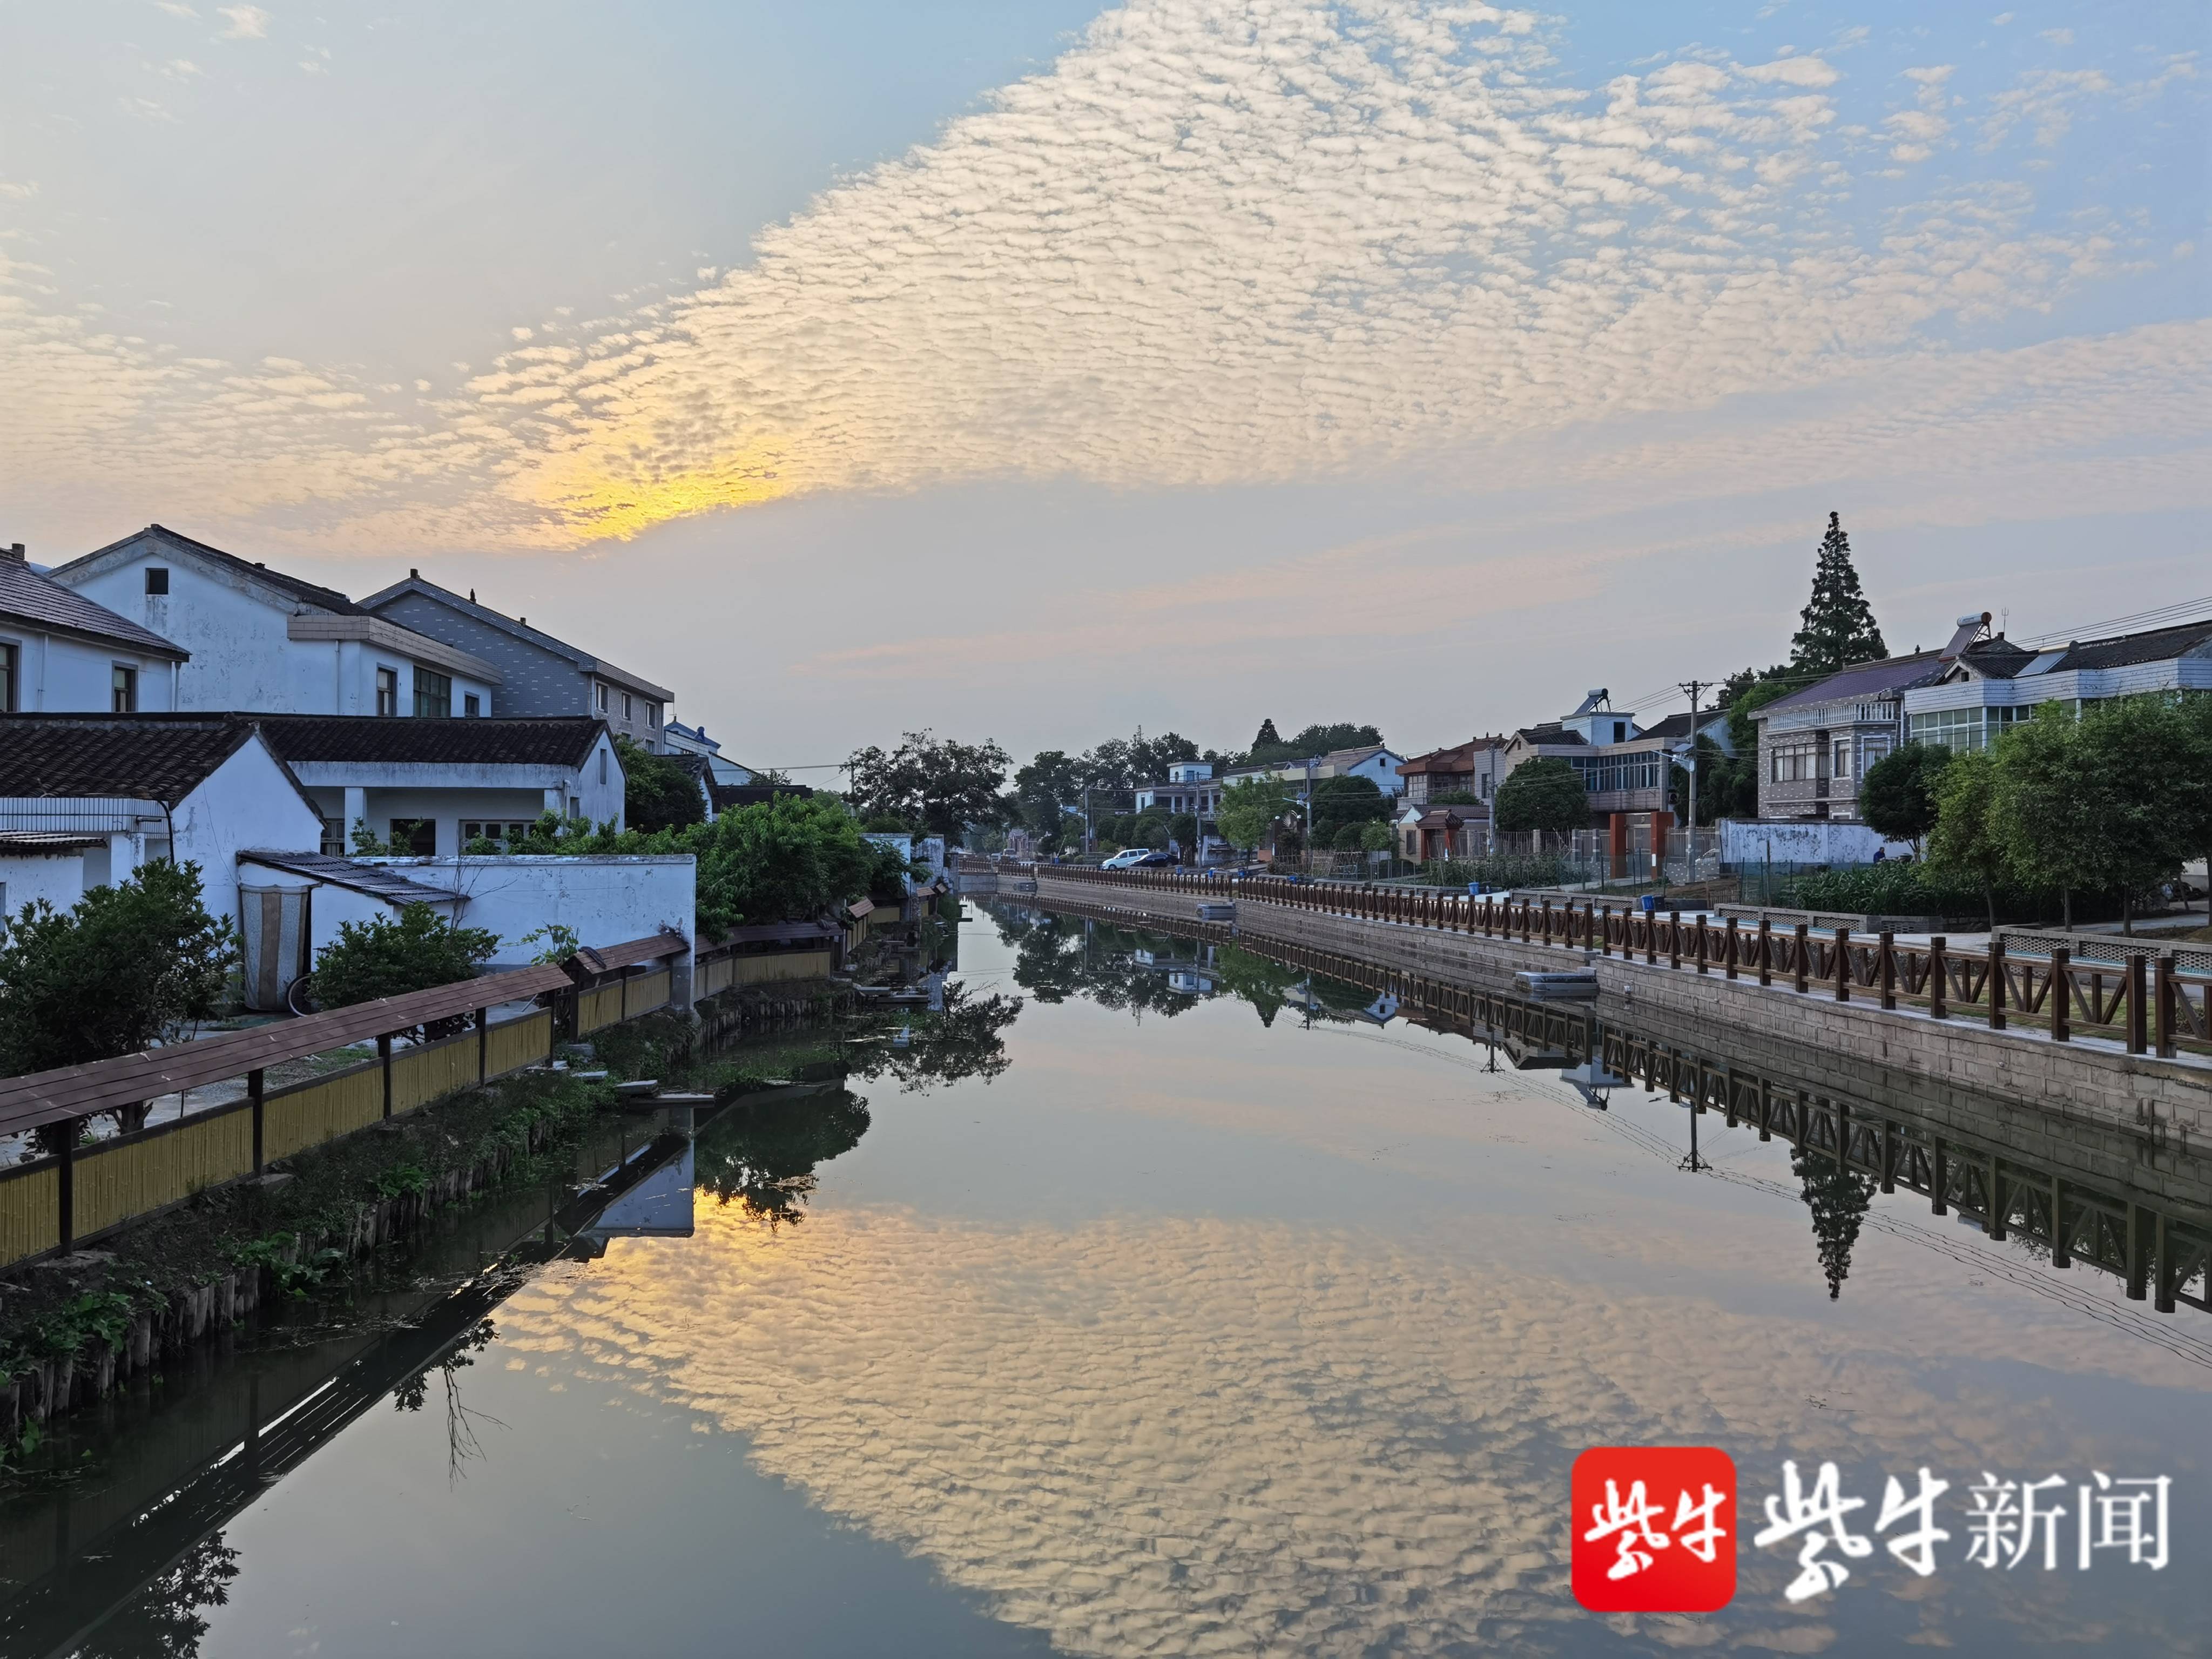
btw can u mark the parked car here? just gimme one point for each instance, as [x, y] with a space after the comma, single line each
[1129, 858]
[1151, 859]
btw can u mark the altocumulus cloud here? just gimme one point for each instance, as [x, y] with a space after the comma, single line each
[1186, 1436]
[1214, 243]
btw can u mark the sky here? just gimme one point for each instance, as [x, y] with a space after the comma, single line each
[1035, 371]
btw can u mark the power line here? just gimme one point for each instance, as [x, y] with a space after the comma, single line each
[2165, 614]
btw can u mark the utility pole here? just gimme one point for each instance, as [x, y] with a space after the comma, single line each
[1694, 687]
[1307, 859]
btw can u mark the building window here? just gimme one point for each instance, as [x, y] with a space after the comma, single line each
[387, 691]
[603, 766]
[1872, 751]
[8, 704]
[575, 807]
[512, 832]
[333, 838]
[125, 684]
[416, 836]
[1841, 763]
[471, 706]
[653, 714]
[627, 714]
[1620, 730]
[157, 579]
[603, 700]
[1797, 764]
[433, 695]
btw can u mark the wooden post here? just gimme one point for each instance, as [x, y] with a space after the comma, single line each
[253, 1092]
[1940, 1178]
[2137, 1245]
[1888, 950]
[1544, 921]
[483, 1045]
[1650, 939]
[2062, 1250]
[1766, 1108]
[1675, 937]
[1701, 942]
[65, 1184]
[2138, 1007]
[1938, 981]
[1801, 937]
[1993, 1182]
[2061, 994]
[1842, 964]
[383, 1059]
[1766, 951]
[2165, 1280]
[2169, 1005]
[1730, 945]
[1995, 986]
[1889, 1155]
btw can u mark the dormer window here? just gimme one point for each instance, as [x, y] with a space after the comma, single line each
[157, 580]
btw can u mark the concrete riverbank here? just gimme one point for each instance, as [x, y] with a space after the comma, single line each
[1871, 1047]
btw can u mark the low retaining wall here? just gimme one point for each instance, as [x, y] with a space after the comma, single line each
[2090, 1076]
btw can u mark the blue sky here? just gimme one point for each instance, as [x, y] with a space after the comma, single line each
[1035, 371]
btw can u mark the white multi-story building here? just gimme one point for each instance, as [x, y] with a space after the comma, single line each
[261, 641]
[1976, 697]
[60, 653]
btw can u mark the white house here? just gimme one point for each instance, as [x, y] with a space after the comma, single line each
[541, 674]
[291, 905]
[1190, 788]
[678, 738]
[61, 654]
[433, 786]
[1377, 764]
[1981, 692]
[87, 799]
[260, 639]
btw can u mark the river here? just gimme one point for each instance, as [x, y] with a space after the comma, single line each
[1211, 1306]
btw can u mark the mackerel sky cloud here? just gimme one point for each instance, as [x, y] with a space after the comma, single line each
[1482, 257]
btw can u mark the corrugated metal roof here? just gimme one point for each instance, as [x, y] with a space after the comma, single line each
[375, 879]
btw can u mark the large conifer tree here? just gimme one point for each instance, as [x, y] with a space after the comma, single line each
[1837, 627]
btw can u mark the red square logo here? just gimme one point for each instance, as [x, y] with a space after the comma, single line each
[1654, 1529]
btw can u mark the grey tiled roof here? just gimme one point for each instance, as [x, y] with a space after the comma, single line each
[485, 616]
[548, 740]
[2156, 646]
[160, 757]
[1885, 678]
[27, 596]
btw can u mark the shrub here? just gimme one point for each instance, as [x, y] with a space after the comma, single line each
[1543, 794]
[389, 957]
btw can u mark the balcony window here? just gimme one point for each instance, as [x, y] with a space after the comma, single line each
[1841, 763]
[387, 691]
[433, 695]
[333, 838]
[125, 685]
[603, 700]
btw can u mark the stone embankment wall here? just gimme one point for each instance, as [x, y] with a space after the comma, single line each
[1870, 1047]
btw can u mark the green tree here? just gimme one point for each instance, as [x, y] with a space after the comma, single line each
[940, 785]
[1377, 838]
[1312, 740]
[657, 793]
[2089, 804]
[1339, 803]
[128, 965]
[1837, 627]
[391, 956]
[1545, 795]
[1249, 807]
[1265, 737]
[1964, 839]
[2192, 821]
[1898, 796]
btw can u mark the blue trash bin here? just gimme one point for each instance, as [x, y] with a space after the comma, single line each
[1650, 903]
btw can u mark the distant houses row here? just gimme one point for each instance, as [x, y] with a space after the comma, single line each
[163, 697]
[1815, 744]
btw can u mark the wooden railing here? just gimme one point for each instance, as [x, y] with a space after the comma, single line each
[60, 1201]
[2144, 1003]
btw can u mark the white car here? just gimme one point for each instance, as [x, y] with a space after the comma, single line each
[1127, 857]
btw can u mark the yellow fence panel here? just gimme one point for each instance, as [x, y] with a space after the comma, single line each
[122, 1180]
[30, 1215]
[717, 975]
[783, 964]
[600, 1008]
[307, 1116]
[422, 1075]
[648, 992]
[519, 1042]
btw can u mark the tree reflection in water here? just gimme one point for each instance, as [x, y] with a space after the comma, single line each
[163, 1621]
[964, 1039]
[1838, 1199]
[761, 1153]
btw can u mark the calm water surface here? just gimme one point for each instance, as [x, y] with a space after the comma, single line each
[1223, 1319]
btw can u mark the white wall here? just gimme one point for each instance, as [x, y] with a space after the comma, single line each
[62, 676]
[450, 795]
[27, 877]
[331, 905]
[1807, 840]
[606, 900]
